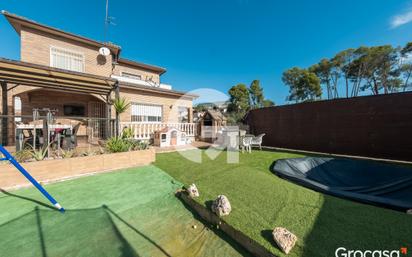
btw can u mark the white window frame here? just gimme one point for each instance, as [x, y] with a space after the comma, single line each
[70, 51]
[154, 122]
[131, 73]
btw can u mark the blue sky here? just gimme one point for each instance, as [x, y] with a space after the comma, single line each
[219, 43]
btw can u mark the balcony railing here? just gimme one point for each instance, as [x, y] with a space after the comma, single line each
[142, 82]
[145, 130]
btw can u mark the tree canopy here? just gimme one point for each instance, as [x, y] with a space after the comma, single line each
[242, 99]
[376, 69]
[268, 103]
[303, 84]
[239, 98]
[256, 94]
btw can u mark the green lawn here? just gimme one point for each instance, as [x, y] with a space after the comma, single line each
[261, 201]
[125, 213]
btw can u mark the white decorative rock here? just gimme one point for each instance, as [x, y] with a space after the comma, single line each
[221, 206]
[409, 211]
[193, 191]
[284, 239]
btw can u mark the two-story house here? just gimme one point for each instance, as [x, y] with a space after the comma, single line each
[70, 74]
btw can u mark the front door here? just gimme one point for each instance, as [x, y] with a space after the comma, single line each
[173, 138]
[97, 110]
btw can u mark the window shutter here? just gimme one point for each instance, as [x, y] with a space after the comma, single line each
[65, 59]
[147, 112]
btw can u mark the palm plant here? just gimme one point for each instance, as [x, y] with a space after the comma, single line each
[120, 105]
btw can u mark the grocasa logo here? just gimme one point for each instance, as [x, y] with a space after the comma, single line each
[343, 252]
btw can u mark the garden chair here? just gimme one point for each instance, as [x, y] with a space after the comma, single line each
[71, 139]
[246, 143]
[257, 141]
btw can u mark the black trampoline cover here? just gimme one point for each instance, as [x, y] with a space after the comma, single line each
[369, 182]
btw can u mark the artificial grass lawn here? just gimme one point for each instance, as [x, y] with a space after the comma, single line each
[261, 201]
[141, 217]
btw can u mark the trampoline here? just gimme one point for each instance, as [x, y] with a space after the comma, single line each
[370, 182]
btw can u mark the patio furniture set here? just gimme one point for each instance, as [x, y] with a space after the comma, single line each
[41, 132]
[236, 139]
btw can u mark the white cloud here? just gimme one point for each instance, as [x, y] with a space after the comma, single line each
[401, 19]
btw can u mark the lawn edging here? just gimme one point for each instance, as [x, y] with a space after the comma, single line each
[62, 169]
[246, 242]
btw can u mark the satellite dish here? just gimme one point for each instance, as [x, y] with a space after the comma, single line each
[104, 51]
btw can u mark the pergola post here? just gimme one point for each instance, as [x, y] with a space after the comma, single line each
[5, 112]
[117, 96]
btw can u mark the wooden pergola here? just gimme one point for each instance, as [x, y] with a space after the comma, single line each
[16, 73]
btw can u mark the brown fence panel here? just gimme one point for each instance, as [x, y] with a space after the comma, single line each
[372, 126]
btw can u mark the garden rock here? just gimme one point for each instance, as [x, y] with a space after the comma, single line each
[221, 206]
[284, 239]
[409, 211]
[193, 191]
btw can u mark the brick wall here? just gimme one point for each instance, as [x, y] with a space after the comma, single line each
[146, 75]
[372, 126]
[169, 114]
[42, 98]
[63, 169]
[35, 48]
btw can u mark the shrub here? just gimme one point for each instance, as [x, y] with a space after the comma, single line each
[119, 144]
[22, 155]
[127, 133]
[68, 153]
[141, 145]
[39, 154]
[89, 153]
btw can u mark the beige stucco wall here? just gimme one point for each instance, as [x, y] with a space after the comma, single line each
[169, 104]
[35, 48]
[145, 74]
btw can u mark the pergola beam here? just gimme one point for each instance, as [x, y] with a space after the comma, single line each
[46, 71]
[51, 80]
[38, 75]
[53, 86]
[10, 88]
[67, 84]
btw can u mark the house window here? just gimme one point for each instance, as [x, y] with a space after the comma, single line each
[73, 110]
[183, 114]
[131, 75]
[146, 113]
[66, 59]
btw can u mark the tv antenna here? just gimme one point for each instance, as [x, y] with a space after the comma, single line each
[108, 20]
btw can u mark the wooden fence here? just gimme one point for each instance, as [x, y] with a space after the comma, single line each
[371, 126]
